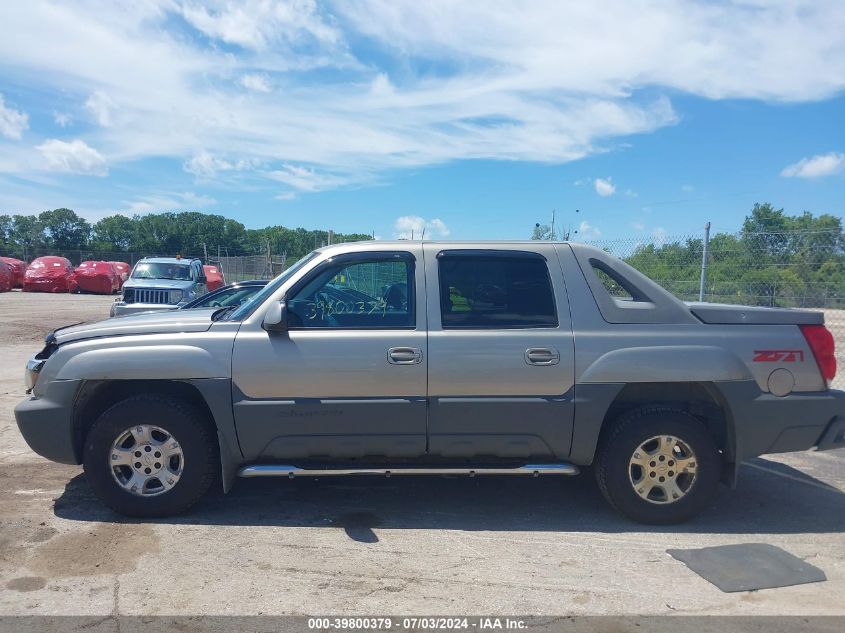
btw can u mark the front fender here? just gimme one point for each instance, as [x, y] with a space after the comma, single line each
[669, 363]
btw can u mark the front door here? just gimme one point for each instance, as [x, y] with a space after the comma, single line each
[501, 353]
[348, 380]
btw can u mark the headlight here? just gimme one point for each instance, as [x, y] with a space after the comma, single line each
[33, 368]
[175, 296]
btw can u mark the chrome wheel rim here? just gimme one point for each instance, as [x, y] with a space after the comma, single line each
[146, 460]
[662, 469]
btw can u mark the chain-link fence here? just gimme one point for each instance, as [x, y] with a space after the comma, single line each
[798, 269]
[77, 256]
[793, 270]
[244, 267]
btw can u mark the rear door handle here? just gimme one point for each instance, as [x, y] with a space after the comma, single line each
[404, 356]
[542, 356]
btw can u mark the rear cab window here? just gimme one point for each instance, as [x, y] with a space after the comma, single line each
[489, 289]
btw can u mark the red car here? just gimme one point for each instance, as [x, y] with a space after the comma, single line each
[18, 268]
[214, 277]
[49, 274]
[6, 275]
[97, 277]
[123, 270]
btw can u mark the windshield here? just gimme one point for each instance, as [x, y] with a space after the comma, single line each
[161, 270]
[258, 298]
[224, 299]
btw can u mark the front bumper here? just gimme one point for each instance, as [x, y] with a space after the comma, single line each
[120, 308]
[46, 422]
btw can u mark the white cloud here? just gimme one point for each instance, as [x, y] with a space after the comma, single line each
[587, 231]
[62, 119]
[168, 201]
[205, 165]
[638, 226]
[101, 106]
[409, 227]
[604, 187]
[305, 178]
[658, 235]
[542, 81]
[76, 157]
[815, 166]
[258, 83]
[257, 24]
[687, 188]
[12, 122]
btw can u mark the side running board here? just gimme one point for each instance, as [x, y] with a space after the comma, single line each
[274, 470]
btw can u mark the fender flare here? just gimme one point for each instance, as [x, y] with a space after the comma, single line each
[667, 363]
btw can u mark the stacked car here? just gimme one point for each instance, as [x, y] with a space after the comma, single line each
[97, 278]
[18, 267]
[49, 274]
[123, 269]
[6, 276]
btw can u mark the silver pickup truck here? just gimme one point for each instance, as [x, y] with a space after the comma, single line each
[392, 358]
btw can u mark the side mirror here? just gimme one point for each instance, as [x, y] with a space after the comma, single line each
[275, 319]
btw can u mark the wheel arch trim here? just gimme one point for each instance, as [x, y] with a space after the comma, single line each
[214, 395]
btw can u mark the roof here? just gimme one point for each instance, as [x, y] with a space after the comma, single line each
[401, 243]
[169, 260]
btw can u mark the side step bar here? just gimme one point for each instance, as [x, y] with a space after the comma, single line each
[535, 470]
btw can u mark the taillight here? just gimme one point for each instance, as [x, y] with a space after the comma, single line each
[821, 342]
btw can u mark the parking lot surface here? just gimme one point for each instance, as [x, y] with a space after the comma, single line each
[445, 545]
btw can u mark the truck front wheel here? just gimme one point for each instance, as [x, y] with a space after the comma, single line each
[658, 465]
[150, 455]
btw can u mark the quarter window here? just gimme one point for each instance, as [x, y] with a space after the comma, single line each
[495, 291]
[375, 293]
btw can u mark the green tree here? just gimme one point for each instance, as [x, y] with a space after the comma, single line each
[64, 229]
[5, 231]
[542, 232]
[27, 232]
[114, 232]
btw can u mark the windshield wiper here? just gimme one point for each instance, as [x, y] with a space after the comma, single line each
[218, 316]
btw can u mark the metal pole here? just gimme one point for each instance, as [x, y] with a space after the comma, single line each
[704, 262]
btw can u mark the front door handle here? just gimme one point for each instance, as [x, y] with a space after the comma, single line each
[542, 356]
[404, 356]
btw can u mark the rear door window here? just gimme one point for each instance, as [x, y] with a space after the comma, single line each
[495, 290]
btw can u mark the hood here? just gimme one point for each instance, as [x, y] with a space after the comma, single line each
[169, 322]
[165, 284]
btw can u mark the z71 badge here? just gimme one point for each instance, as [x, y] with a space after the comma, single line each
[778, 356]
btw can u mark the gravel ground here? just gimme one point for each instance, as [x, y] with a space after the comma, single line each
[385, 546]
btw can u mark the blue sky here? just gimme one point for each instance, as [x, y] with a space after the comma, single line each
[473, 120]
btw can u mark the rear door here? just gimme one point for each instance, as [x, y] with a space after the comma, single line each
[501, 353]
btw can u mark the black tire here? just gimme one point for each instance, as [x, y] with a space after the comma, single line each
[179, 418]
[612, 466]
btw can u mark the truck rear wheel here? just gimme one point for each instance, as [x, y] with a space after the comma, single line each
[658, 465]
[150, 456]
